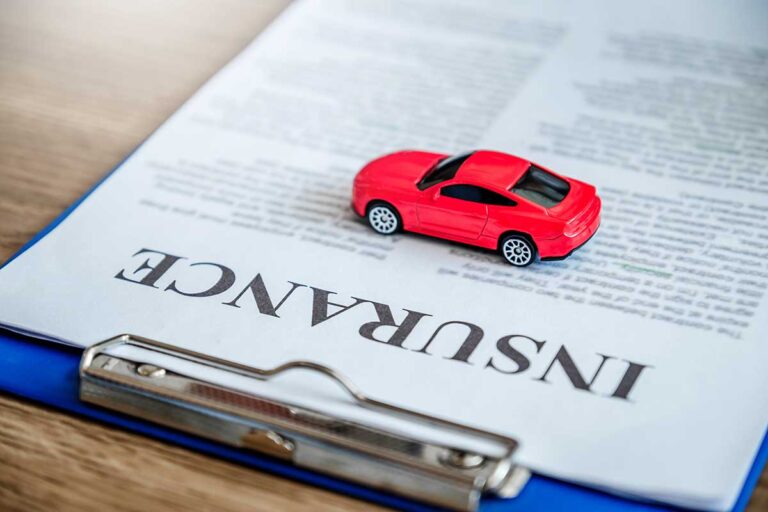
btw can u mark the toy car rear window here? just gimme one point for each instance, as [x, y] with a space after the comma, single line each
[541, 187]
[444, 170]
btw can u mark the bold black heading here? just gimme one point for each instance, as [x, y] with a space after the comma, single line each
[160, 267]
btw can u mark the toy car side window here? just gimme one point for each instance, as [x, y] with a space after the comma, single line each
[476, 195]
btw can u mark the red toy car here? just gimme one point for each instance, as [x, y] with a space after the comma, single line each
[483, 198]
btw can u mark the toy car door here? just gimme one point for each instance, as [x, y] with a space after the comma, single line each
[454, 210]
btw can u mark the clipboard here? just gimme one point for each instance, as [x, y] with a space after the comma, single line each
[53, 375]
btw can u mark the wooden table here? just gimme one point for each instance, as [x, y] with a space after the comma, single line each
[81, 84]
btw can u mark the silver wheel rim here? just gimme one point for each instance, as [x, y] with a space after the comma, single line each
[383, 220]
[517, 251]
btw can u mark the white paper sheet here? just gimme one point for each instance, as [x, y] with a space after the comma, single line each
[638, 365]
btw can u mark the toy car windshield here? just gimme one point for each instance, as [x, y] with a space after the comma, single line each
[444, 170]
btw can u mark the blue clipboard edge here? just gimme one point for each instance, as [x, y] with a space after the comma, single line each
[23, 355]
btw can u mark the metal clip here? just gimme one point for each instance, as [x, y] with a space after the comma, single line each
[438, 474]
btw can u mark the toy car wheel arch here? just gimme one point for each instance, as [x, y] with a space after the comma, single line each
[383, 218]
[517, 250]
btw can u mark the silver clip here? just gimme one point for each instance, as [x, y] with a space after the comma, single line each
[434, 473]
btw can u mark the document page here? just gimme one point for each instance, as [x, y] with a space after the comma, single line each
[636, 365]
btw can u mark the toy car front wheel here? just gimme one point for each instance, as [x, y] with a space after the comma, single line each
[517, 250]
[383, 218]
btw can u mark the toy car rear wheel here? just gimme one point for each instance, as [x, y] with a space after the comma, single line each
[384, 219]
[517, 250]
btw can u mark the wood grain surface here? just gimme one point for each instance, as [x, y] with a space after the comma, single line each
[82, 82]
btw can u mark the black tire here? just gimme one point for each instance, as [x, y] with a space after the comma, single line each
[383, 218]
[517, 250]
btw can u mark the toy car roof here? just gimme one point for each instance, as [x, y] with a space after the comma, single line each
[493, 168]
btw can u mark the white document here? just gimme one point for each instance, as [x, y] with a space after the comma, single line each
[637, 365]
